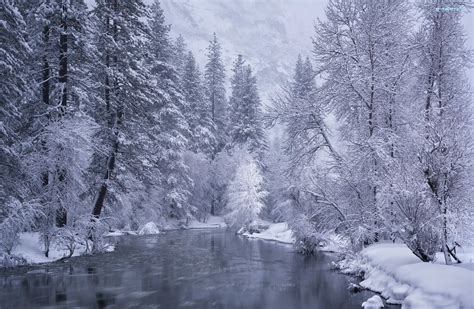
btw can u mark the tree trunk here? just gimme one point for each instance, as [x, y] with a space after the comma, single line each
[61, 213]
[45, 89]
[99, 203]
[447, 257]
[63, 63]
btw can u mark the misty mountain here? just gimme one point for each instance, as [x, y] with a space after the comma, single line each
[269, 34]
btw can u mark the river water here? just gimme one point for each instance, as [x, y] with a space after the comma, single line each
[183, 269]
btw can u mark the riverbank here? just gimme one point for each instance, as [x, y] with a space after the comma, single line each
[31, 249]
[399, 276]
[396, 273]
[280, 232]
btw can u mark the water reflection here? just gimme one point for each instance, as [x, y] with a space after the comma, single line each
[199, 269]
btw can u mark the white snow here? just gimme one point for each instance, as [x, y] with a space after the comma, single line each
[149, 229]
[31, 249]
[120, 233]
[334, 242]
[211, 223]
[279, 232]
[401, 277]
[375, 302]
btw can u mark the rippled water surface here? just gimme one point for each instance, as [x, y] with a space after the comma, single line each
[183, 269]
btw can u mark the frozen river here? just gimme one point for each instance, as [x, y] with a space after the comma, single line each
[183, 269]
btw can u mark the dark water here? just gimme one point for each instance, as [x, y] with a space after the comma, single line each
[183, 269]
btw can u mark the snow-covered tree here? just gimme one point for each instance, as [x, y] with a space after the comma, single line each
[127, 101]
[15, 53]
[55, 128]
[179, 55]
[444, 144]
[362, 87]
[169, 121]
[245, 193]
[198, 110]
[245, 125]
[214, 77]
[302, 112]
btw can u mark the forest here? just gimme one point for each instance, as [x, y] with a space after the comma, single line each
[107, 122]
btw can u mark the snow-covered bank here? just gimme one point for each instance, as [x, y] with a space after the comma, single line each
[31, 249]
[401, 278]
[152, 228]
[211, 223]
[279, 232]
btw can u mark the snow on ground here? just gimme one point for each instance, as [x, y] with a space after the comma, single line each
[172, 224]
[31, 249]
[149, 229]
[393, 271]
[333, 242]
[211, 222]
[121, 233]
[375, 302]
[279, 232]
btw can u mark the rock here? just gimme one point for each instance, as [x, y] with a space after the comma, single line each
[354, 288]
[149, 229]
[375, 302]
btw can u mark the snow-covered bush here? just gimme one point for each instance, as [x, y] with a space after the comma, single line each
[245, 194]
[308, 239]
[68, 238]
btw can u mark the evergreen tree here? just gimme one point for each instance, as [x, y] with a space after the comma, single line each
[179, 55]
[55, 128]
[18, 208]
[215, 92]
[127, 97]
[170, 124]
[245, 127]
[15, 53]
[198, 114]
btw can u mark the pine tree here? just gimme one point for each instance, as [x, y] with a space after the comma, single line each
[245, 127]
[15, 53]
[18, 209]
[198, 113]
[215, 92]
[179, 55]
[55, 128]
[170, 124]
[127, 96]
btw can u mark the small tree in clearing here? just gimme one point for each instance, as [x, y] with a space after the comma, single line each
[245, 194]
